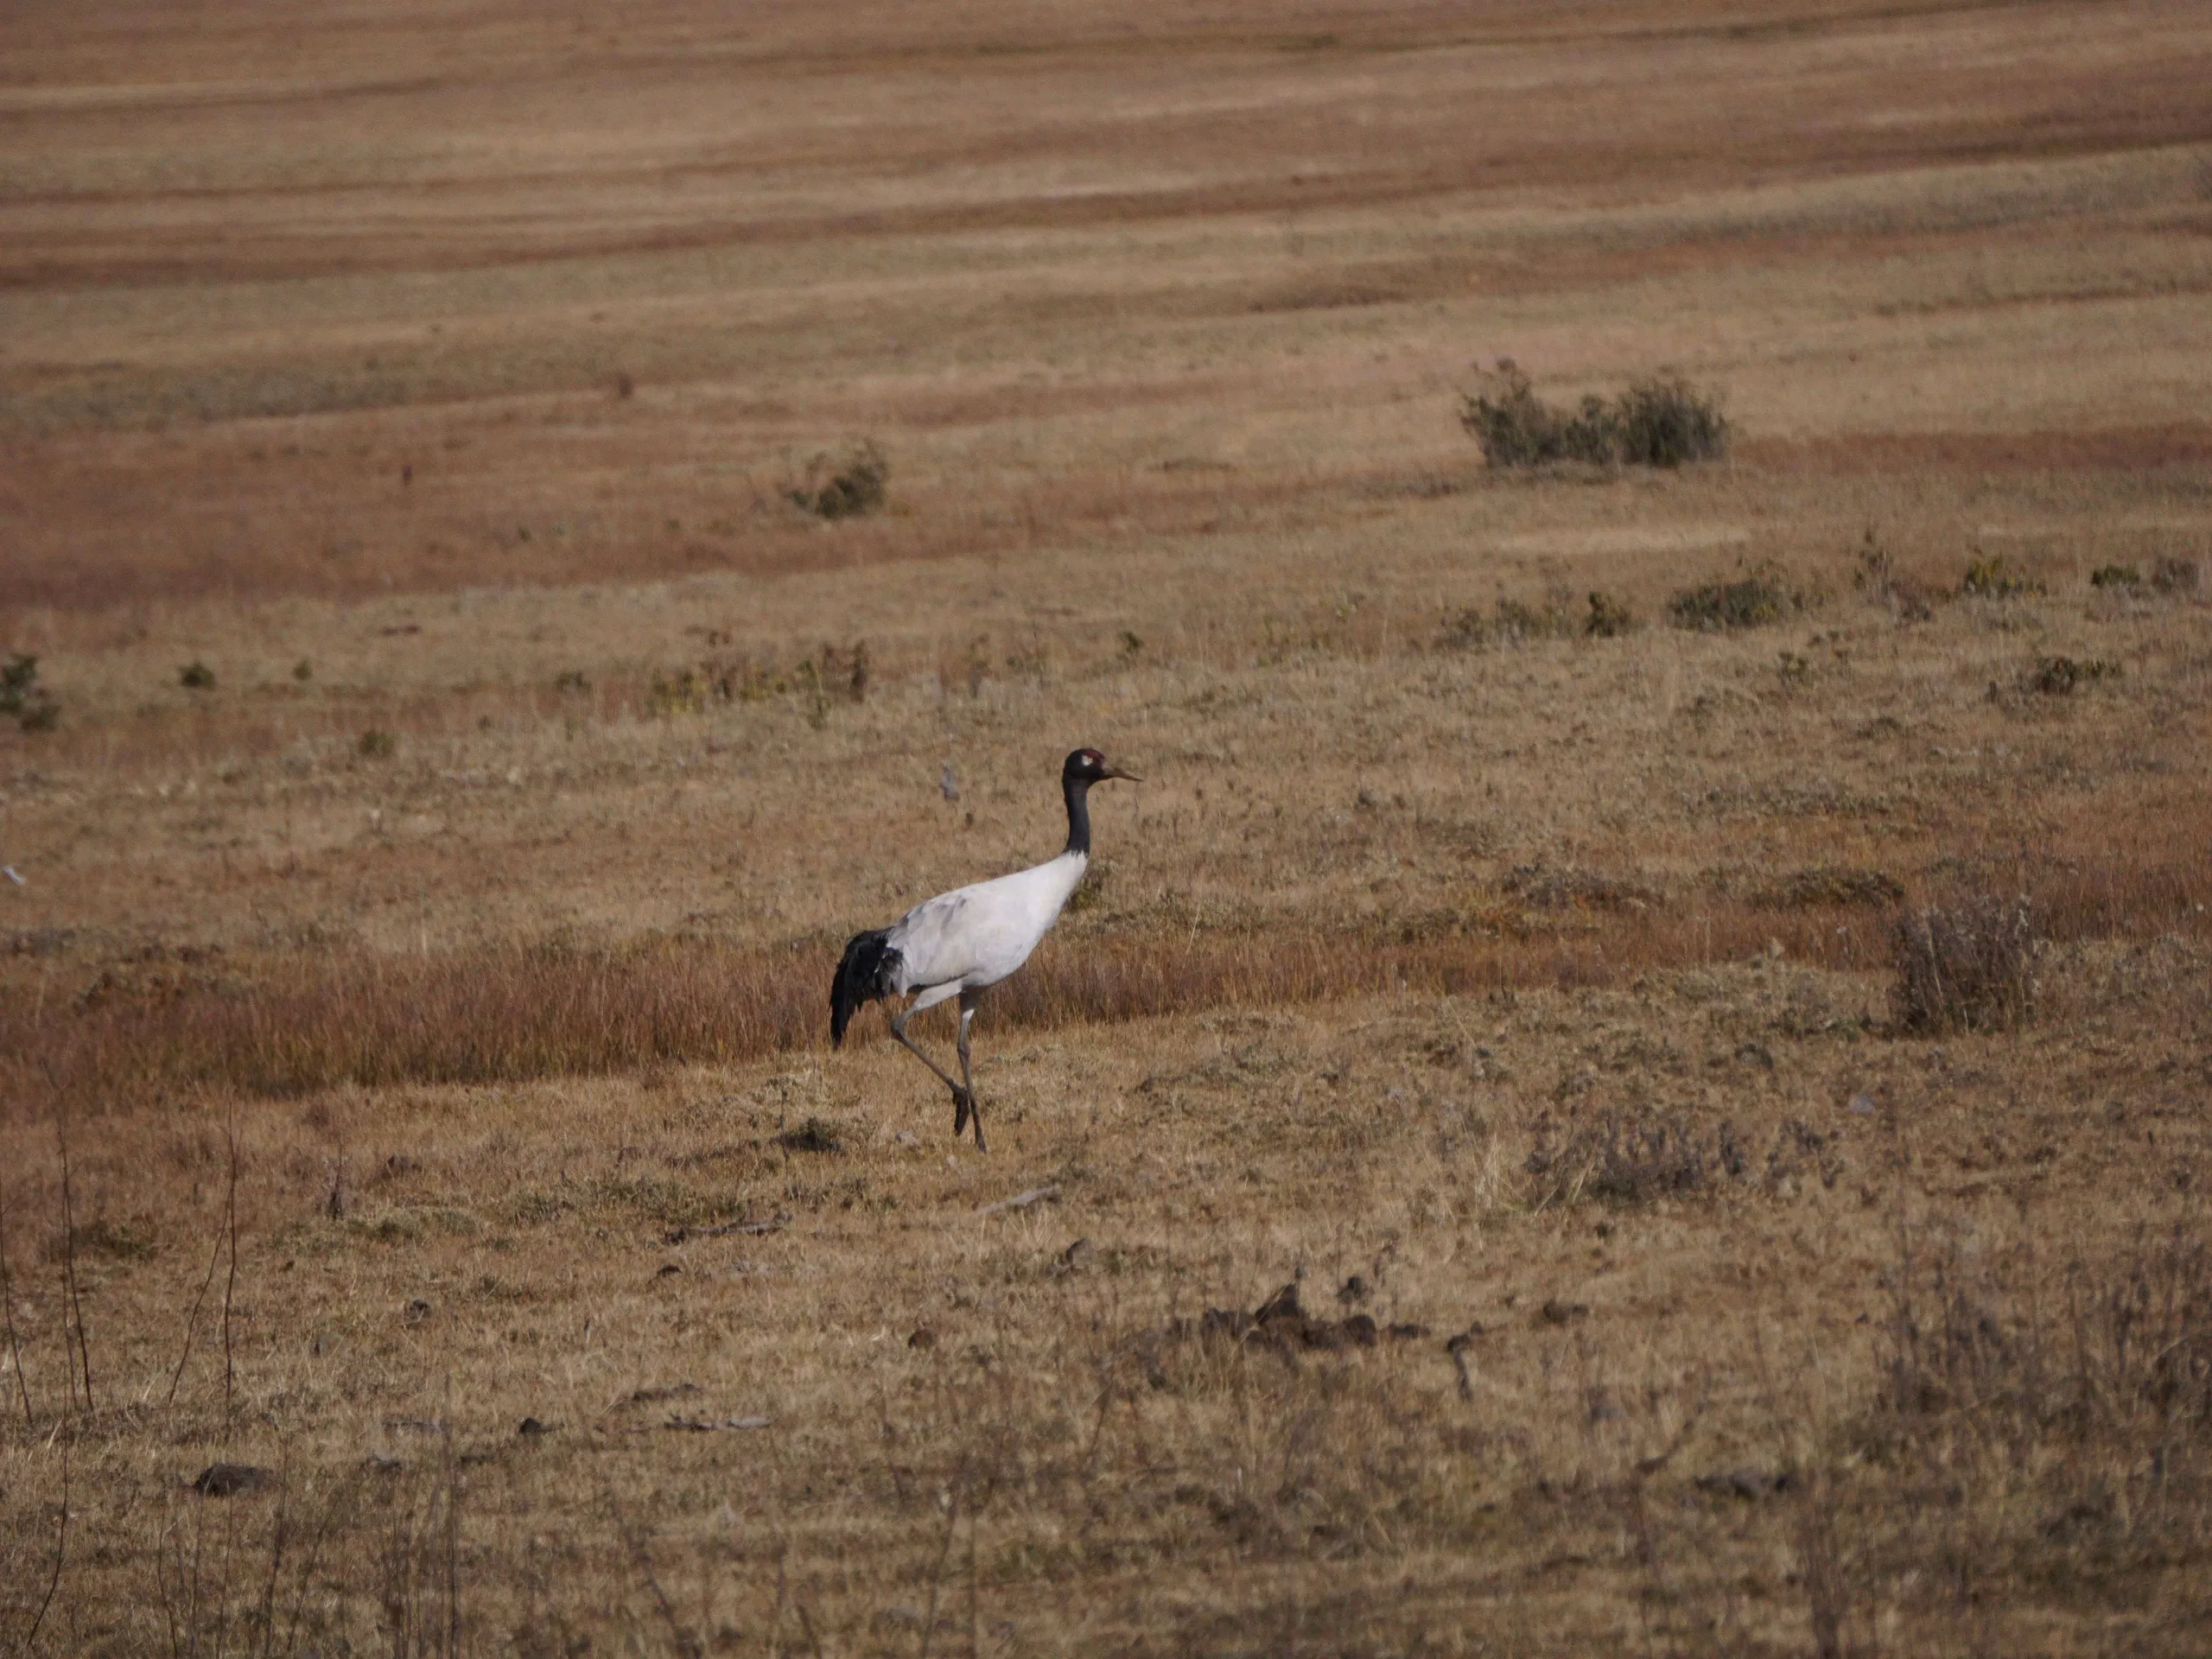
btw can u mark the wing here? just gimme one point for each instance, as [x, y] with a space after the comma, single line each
[939, 940]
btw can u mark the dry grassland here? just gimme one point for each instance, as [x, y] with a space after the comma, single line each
[412, 1075]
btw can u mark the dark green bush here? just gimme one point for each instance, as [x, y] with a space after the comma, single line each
[1667, 422]
[196, 677]
[21, 695]
[1659, 423]
[1752, 599]
[1609, 617]
[1988, 576]
[2170, 575]
[845, 483]
[2060, 676]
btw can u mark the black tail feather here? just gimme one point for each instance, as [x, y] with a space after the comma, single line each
[864, 975]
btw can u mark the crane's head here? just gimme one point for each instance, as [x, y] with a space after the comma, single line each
[1088, 767]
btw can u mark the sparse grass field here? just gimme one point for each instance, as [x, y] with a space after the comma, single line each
[1699, 977]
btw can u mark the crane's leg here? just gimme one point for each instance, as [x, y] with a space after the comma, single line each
[973, 1107]
[961, 1099]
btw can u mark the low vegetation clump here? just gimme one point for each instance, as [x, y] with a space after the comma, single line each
[2060, 677]
[2115, 575]
[1664, 422]
[1966, 965]
[1640, 1157]
[24, 700]
[378, 744]
[684, 692]
[849, 482]
[1991, 577]
[1877, 576]
[1829, 886]
[1609, 617]
[2170, 575]
[1751, 600]
[196, 676]
[1511, 621]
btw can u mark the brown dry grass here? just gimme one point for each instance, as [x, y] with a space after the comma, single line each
[1533, 997]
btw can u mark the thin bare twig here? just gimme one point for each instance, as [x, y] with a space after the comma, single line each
[230, 1284]
[75, 1308]
[686, 1641]
[453, 1520]
[782, 1591]
[8, 1301]
[276, 1551]
[936, 1572]
[60, 1549]
[192, 1322]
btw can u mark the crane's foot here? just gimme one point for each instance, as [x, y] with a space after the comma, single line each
[966, 1112]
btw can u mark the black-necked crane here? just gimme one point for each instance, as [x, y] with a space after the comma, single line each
[961, 943]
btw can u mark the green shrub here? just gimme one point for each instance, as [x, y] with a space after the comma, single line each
[1667, 422]
[1659, 423]
[845, 483]
[2060, 676]
[1752, 600]
[1510, 421]
[2172, 575]
[1609, 618]
[684, 692]
[378, 744]
[2115, 575]
[21, 695]
[1990, 577]
[196, 677]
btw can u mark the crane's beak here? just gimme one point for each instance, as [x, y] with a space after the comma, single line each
[1115, 772]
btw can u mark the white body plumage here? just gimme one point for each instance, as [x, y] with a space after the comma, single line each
[974, 937]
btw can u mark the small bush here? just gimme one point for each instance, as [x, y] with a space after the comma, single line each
[847, 670]
[1752, 600]
[1609, 618]
[816, 1135]
[1877, 577]
[2115, 575]
[1824, 884]
[1628, 1161]
[571, 679]
[2174, 575]
[1513, 621]
[196, 677]
[845, 483]
[376, 744]
[684, 692]
[22, 696]
[1968, 965]
[2060, 676]
[1666, 423]
[1658, 422]
[1510, 422]
[303, 671]
[1991, 577]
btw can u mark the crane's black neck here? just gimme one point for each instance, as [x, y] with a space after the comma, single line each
[1077, 790]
